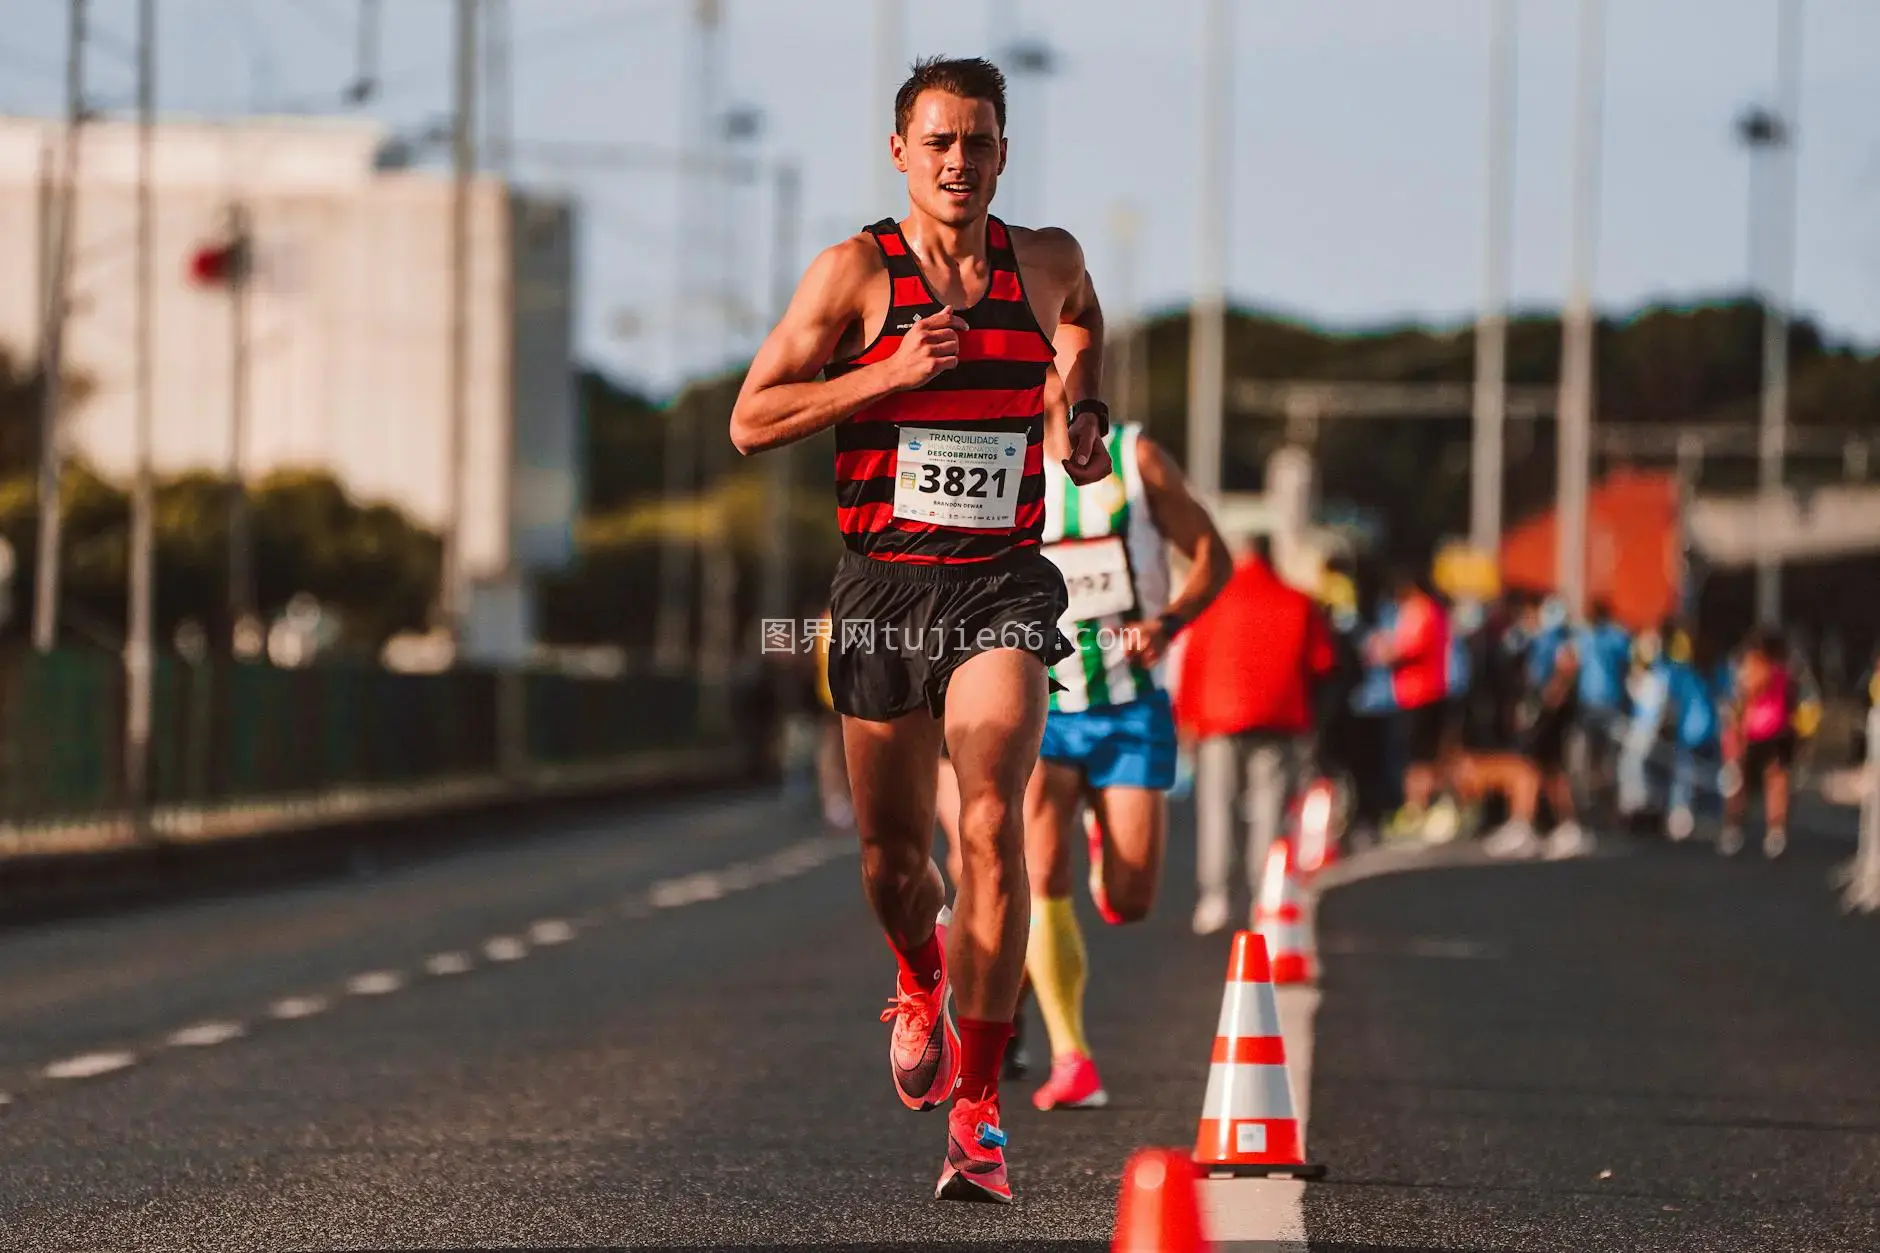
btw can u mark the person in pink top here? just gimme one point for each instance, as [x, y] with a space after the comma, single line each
[1417, 653]
[1764, 735]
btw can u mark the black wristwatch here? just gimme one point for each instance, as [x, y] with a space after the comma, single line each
[1172, 623]
[1093, 406]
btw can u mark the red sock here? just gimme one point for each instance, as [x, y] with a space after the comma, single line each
[982, 1053]
[922, 966]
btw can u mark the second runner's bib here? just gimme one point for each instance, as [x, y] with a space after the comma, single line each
[958, 477]
[1096, 574]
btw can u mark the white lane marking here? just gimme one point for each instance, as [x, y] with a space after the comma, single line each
[673, 893]
[289, 1008]
[505, 948]
[1416, 946]
[447, 964]
[375, 983]
[88, 1065]
[205, 1034]
[550, 931]
[738, 877]
[1462, 950]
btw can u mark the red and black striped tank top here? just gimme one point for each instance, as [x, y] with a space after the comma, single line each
[997, 388]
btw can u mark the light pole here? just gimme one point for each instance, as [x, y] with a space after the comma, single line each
[52, 343]
[885, 189]
[1575, 428]
[454, 586]
[140, 616]
[1491, 328]
[698, 274]
[1208, 321]
[1031, 62]
[1769, 136]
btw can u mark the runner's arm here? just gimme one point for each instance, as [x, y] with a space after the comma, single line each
[1185, 523]
[1079, 336]
[782, 402]
[1077, 341]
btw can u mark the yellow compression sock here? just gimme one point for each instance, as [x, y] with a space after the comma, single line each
[1055, 960]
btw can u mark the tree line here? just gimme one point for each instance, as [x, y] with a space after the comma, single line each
[1673, 365]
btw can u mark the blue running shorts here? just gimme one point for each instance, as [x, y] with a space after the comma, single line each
[1129, 745]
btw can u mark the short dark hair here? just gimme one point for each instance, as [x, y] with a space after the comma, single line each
[974, 78]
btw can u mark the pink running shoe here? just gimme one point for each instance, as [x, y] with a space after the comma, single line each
[924, 1051]
[975, 1165]
[1074, 1084]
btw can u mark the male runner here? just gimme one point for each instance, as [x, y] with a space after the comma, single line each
[1109, 740]
[945, 610]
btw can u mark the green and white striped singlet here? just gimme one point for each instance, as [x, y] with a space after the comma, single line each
[1115, 564]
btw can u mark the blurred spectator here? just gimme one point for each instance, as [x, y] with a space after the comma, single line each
[1605, 652]
[1765, 732]
[1373, 706]
[1648, 693]
[1552, 707]
[1248, 676]
[1697, 690]
[1417, 653]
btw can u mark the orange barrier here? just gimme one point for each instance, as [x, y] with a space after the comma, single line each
[1160, 1210]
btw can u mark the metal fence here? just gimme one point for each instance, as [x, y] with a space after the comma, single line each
[230, 733]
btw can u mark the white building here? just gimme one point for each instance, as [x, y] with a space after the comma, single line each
[348, 328]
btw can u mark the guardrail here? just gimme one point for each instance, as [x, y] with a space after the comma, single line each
[240, 746]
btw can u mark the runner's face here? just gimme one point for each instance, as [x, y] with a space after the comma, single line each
[952, 155]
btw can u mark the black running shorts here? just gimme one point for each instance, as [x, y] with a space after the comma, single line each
[899, 631]
[1759, 755]
[1423, 729]
[1546, 740]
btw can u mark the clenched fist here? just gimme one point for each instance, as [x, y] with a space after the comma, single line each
[1089, 461]
[930, 346]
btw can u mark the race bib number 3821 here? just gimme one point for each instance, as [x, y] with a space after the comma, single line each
[958, 478]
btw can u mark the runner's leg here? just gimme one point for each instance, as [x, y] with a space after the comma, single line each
[995, 711]
[1133, 822]
[1217, 771]
[994, 721]
[1055, 955]
[892, 778]
[947, 810]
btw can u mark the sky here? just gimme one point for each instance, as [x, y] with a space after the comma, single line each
[1357, 140]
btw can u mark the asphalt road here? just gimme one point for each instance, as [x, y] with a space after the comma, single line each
[659, 1029]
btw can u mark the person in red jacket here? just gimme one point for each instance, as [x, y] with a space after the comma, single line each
[1245, 694]
[1417, 652]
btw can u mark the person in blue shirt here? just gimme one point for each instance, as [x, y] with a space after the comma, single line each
[1698, 689]
[1374, 705]
[1605, 652]
[1552, 711]
[1648, 687]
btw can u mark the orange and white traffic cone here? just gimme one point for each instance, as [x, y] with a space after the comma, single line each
[1160, 1210]
[1317, 826]
[1247, 1122]
[1280, 918]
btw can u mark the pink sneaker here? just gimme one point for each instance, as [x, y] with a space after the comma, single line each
[924, 1049]
[975, 1165]
[1074, 1084]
